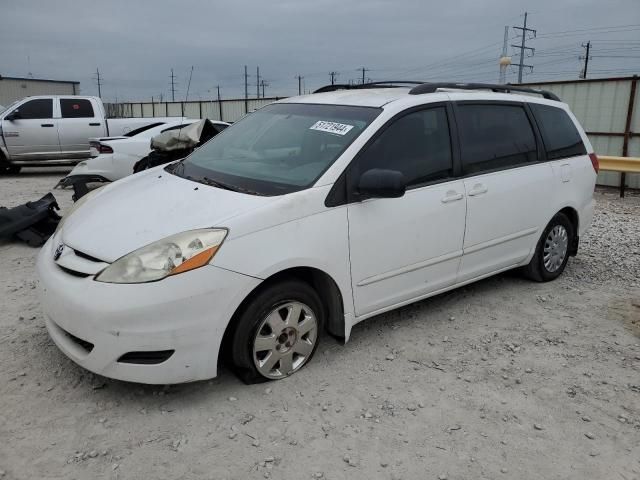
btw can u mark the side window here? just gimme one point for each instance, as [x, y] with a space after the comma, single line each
[40, 108]
[559, 134]
[494, 137]
[75, 108]
[418, 145]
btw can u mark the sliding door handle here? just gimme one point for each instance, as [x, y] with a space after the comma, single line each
[96, 124]
[478, 189]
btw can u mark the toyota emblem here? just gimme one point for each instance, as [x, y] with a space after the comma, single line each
[58, 252]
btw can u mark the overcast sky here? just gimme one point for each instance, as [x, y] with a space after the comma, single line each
[136, 43]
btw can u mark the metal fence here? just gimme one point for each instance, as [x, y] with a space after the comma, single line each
[225, 110]
[609, 111]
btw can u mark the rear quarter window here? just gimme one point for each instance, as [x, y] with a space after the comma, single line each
[559, 133]
[76, 108]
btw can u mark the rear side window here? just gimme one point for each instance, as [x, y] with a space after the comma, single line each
[75, 108]
[418, 145]
[40, 108]
[495, 137]
[559, 134]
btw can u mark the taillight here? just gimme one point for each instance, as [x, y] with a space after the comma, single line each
[104, 148]
[594, 161]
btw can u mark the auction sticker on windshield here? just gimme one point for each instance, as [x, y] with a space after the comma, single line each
[331, 127]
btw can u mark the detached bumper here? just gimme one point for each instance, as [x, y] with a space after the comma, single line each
[159, 333]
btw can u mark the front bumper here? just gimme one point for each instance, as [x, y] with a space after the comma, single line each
[96, 323]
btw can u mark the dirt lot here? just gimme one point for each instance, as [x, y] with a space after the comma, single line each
[502, 379]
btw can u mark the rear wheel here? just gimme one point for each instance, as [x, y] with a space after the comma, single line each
[552, 251]
[277, 333]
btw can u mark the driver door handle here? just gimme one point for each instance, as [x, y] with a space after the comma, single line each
[46, 125]
[452, 196]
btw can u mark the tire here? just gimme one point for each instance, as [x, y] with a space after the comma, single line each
[286, 318]
[556, 239]
[8, 168]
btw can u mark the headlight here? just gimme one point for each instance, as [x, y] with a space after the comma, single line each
[73, 208]
[170, 256]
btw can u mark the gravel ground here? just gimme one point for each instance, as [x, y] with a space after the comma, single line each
[500, 379]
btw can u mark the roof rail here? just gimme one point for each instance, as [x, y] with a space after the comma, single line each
[347, 86]
[507, 88]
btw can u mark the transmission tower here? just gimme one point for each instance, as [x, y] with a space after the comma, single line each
[333, 76]
[173, 86]
[522, 47]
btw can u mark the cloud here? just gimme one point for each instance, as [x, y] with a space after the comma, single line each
[135, 44]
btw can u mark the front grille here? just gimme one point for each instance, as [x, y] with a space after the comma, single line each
[85, 256]
[146, 358]
[73, 272]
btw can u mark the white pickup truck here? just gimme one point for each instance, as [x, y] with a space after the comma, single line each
[55, 130]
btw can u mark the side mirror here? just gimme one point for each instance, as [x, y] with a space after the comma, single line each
[380, 183]
[13, 115]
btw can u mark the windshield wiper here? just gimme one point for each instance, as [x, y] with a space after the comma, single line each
[226, 186]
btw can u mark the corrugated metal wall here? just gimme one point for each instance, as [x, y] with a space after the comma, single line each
[12, 89]
[602, 107]
[232, 110]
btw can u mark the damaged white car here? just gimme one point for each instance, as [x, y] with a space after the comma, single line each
[313, 214]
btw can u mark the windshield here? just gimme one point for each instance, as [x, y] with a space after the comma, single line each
[279, 149]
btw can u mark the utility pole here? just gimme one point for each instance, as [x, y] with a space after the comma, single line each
[173, 86]
[523, 47]
[257, 82]
[587, 47]
[219, 102]
[246, 90]
[263, 84]
[364, 71]
[333, 76]
[186, 98]
[99, 83]
[299, 77]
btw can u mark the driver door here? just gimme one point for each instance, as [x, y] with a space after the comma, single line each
[405, 248]
[35, 133]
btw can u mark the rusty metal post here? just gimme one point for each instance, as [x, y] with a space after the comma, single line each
[627, 131]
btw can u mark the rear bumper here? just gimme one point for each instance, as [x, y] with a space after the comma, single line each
[95, 323]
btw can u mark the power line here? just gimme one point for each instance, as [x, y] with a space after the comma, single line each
[523, 47]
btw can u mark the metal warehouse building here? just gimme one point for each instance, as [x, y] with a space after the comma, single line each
[15, 88]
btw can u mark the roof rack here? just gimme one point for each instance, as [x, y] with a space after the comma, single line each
[433, 87]
[347, 86]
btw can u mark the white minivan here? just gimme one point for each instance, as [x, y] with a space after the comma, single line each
[310, 215]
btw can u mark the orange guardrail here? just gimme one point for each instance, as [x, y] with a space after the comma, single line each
[619, 164]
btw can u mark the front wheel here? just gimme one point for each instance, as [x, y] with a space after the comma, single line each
[278, 332]
[552, 251]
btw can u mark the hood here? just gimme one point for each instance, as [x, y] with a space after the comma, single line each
[147, 207]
